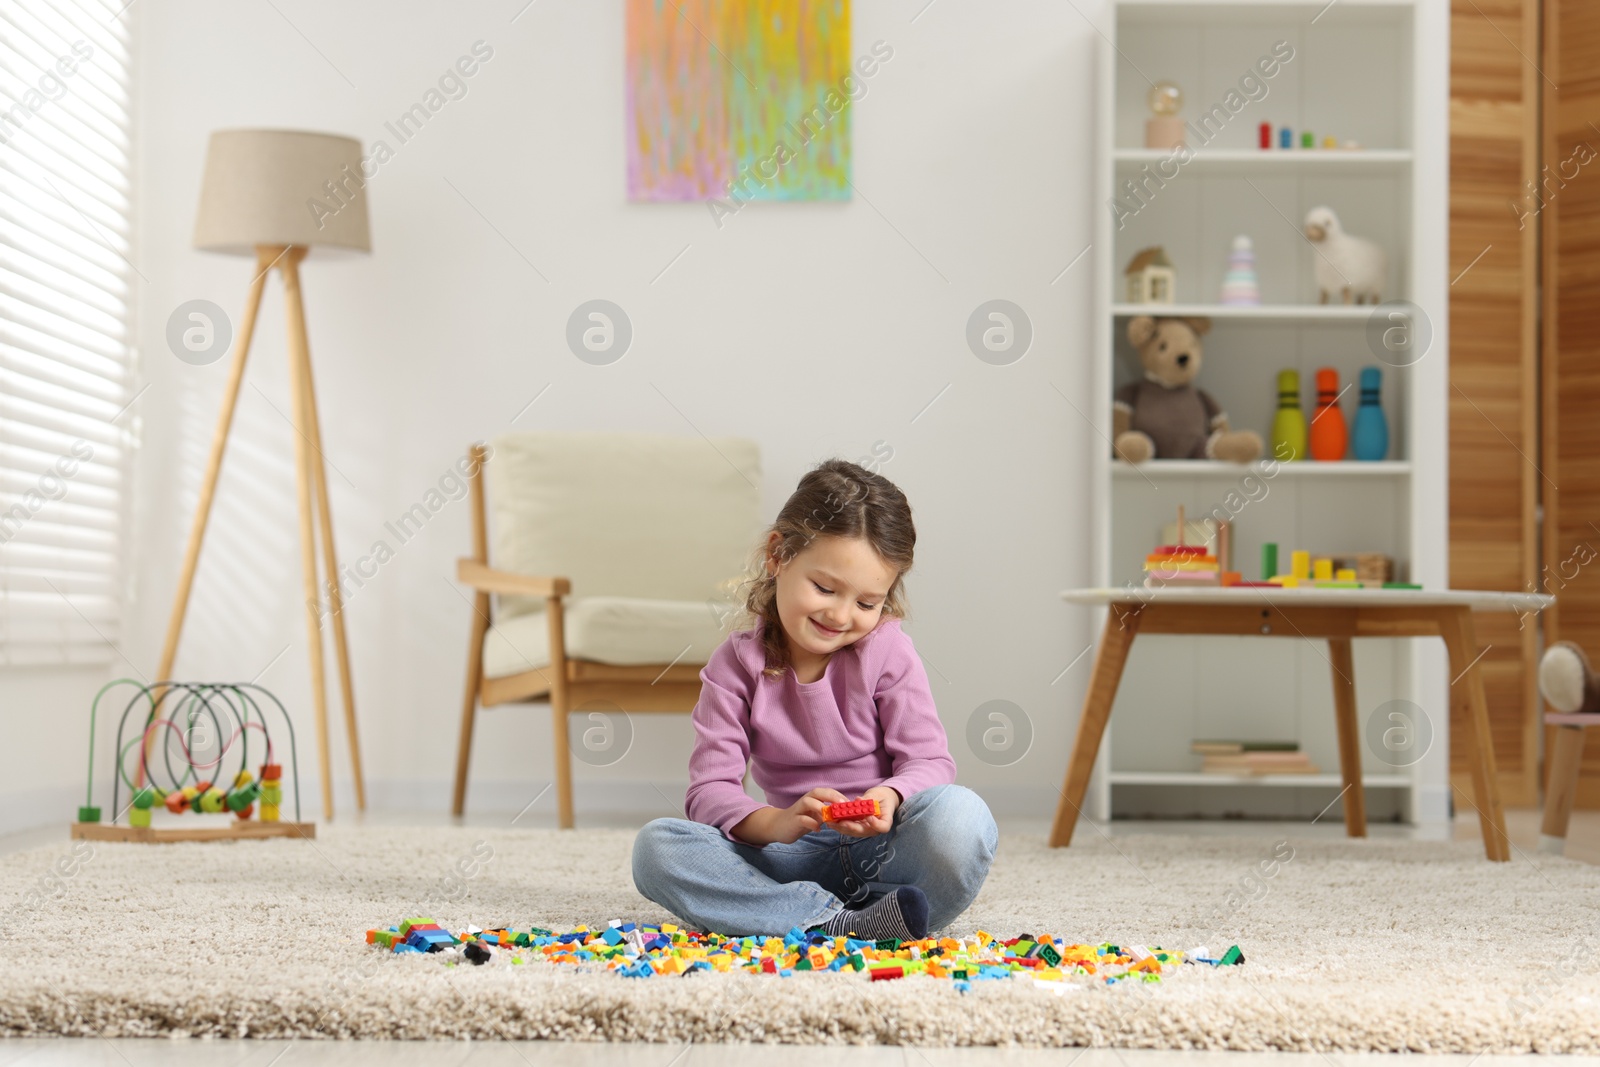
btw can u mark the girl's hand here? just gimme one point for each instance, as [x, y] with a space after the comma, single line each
[784, 826]
[888, 800]
[805, 814]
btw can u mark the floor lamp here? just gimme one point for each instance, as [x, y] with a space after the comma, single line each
[276, 195]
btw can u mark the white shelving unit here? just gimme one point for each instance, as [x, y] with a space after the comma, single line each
[1376, 72]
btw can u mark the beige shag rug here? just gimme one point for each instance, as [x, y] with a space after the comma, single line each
[1363, 946]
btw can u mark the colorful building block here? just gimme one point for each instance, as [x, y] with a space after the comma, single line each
[851, 809]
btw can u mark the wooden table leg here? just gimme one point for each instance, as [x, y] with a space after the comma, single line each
[1466, 693]
[1562, 788]
[1344, 715]
[1109, 660]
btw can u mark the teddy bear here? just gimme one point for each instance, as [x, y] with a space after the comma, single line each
[1567, 681]
[1164, 415]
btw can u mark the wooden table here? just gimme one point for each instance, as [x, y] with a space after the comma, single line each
[1336, 615]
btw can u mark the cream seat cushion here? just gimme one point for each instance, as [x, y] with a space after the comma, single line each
[608, 629]
[624, 516]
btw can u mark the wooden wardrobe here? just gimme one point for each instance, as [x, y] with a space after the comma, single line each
[1524, 378]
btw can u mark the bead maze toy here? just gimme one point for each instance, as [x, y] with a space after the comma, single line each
[850, 809]
[203, 722]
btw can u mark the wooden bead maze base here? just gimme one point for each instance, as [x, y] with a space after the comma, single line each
[234, 830]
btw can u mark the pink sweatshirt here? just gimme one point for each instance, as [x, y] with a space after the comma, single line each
[869, 720]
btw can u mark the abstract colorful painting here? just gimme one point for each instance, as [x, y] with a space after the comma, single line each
[738, 97]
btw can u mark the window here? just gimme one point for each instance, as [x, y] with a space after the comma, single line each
[66, 298]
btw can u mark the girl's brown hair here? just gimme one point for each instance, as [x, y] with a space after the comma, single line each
[836, 499]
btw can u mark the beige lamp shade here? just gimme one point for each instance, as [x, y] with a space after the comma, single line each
[282, 187]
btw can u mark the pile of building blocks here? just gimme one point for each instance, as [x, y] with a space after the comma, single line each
[850, 809]
[634, 950]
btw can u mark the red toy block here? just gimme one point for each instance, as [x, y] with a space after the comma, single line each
[851, 809]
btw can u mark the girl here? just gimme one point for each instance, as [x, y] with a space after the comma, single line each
[826, 700]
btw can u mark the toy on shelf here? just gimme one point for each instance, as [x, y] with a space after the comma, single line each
[1239, 286]
[1350, 266]
[1164, 415]
[1328, 436]
[1151, 279]
[850, 809]
[1164, 129]
[1371, 436]
[179, 742]
[1307, 140]
[1289, 422]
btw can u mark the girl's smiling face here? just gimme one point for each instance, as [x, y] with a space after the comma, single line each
[829, 595]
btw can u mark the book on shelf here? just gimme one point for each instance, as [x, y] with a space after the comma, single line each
[1247, 763]
[1232, 748]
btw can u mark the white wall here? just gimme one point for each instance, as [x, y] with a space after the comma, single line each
[815, 328]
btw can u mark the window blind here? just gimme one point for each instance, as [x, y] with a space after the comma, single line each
[65, 319]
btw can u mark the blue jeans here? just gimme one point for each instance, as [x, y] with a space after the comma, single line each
[942, 841]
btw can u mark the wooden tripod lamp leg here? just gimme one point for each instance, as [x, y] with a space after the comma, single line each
[480, 629]
[330, 560]
[560, 708]
[208, 484]
[289, 266]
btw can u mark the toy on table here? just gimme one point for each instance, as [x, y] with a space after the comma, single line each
[1265, 134]
[1164, 415]
[1239, 285]
[1289, 422]
[1164, 129]
[1285, 138]
[180, 742]
[1307, 140]
[1150, 277]
[1371, 436]
[1351, 266]
[850, 809]
[1182, 565]
[1328, 436]
[1370, 570]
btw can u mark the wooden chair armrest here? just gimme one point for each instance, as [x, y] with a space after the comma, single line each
[486, 579]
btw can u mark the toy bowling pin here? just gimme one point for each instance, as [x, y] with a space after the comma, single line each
[1289, 424]
[1328, 434]
[1372, 429]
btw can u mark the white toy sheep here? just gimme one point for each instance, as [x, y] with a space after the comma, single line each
[1353, 267]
